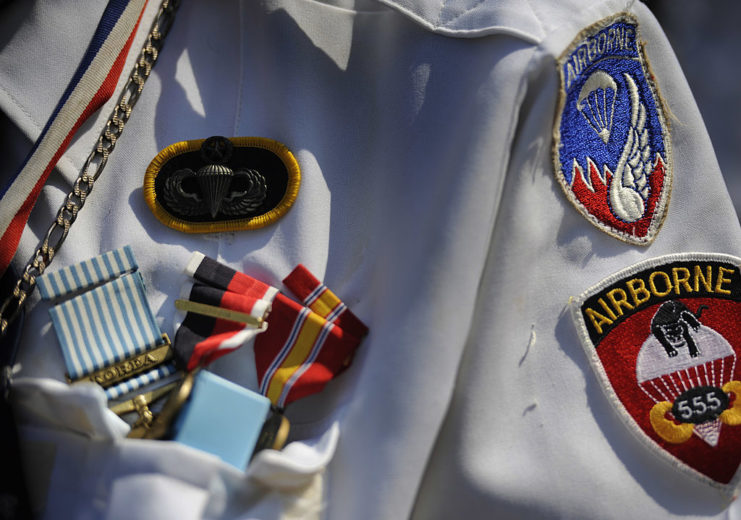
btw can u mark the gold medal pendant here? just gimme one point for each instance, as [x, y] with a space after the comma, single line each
[222, 184]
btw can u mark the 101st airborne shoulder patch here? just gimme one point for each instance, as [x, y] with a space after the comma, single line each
[663, 337]
[611, 149]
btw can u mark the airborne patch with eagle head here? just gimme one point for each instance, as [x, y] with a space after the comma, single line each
[611, 149]
[663, 338]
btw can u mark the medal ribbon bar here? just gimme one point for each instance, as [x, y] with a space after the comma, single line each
[107, 333]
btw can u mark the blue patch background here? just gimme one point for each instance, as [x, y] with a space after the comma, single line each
[578, 139]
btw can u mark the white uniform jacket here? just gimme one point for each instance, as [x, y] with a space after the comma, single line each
[424, 131]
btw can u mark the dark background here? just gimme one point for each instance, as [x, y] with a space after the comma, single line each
[707, 40]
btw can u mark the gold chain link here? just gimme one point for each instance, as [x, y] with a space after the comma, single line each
[94, 166]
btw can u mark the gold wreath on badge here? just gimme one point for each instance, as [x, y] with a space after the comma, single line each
[222, 184]
[663, 415]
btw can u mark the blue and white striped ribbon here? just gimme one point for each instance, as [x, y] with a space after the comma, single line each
[105, 325]
[87, 274]
[139, 381]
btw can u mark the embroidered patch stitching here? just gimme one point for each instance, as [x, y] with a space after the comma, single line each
[662, 337]
[177, 208]
[611, 143]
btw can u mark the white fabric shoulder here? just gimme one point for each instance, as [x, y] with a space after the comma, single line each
[530, 20]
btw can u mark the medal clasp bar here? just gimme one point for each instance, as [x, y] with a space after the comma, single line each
[219, 312]
[131, 366]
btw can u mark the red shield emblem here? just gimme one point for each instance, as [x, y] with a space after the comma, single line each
[663, 337]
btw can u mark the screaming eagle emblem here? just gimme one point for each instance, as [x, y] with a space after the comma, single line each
[611, 143]
[221, 184]
[663, 337]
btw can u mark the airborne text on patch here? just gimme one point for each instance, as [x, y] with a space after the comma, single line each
[683, 280]
[608, 41]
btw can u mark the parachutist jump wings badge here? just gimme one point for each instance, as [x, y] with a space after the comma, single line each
[611, 143]
[663, 338]
[215, 194]
[221, 184]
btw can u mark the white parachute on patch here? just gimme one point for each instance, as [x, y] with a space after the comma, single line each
[665, 378]
[597, 103]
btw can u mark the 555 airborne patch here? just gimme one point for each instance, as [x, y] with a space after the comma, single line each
[663, 337]
[611, 147]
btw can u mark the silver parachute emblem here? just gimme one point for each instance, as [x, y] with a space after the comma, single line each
[221, 190]
[214, 181]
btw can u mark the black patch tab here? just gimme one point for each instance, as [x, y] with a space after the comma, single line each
[219, 184]
[606, 309]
